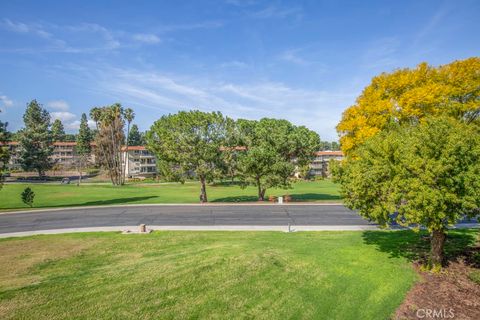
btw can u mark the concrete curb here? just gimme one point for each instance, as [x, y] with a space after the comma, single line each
[293, 228]
[213, 204]
[190, 228]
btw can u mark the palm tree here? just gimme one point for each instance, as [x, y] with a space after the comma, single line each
[129, 116]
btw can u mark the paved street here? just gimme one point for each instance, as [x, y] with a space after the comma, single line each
[183, 215]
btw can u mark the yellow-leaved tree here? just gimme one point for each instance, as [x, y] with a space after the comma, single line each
[410, 95]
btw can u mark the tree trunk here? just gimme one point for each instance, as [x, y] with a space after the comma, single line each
[437, 242]
[126, 155]
[203, 191]
[80, 171]
[261, 192]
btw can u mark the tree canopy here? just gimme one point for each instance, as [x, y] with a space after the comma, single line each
[273, 149]
[427, 173]
[36, 139]
[409, 95]
[135, 137]
[189, 143]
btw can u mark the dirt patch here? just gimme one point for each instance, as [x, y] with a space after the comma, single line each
[446, 295]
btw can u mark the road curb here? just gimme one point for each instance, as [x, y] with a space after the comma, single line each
[191, 228]
[293, 228]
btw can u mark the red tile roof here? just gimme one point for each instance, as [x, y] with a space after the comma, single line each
[329, 153]
[130, 148]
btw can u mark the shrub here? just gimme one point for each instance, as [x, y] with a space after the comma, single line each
[27, 196]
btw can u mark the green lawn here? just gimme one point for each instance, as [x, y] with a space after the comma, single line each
[206, 275]
[57, 195]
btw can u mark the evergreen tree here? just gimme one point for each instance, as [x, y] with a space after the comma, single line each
[36, 139]
[58, 131]
[135, 138]
[84, 148]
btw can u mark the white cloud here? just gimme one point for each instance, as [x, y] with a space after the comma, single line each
[58, 105]
[20, 27]
[91, 124]
[63, 116]
[146, 38]
[5, 101]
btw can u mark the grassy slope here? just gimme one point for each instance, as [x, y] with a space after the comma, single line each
[215, 275]
[53, 195]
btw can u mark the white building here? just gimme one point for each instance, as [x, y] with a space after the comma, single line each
[141, 162]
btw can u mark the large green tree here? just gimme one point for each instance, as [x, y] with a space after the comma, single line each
[4, 152]
[83, 148]
[58, 131]
[36, 139]
[274, 149]
[189, 143]
[427, 173]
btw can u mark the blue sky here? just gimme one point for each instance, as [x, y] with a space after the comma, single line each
[305, 61]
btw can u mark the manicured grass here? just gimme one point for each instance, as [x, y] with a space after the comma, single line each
[205, 275]
[57, 195]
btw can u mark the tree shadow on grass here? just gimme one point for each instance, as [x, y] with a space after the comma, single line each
[314, 197]
[301, 197]
[237, 199]
[415, 246]
[95, 203]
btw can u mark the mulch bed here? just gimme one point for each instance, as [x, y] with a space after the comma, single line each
[449, 294]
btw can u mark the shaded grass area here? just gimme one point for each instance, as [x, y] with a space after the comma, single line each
[416, 246]
[214, 275]
[56, 195]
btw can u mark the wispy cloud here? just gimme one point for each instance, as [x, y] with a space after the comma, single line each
[5, 101]
[146, 38]
[60, 105]
[234, 64]
[63, 116]
[277, 12]
[381, 53]
[292, 56]
[431, 24]
[318, 110]
[79, 38]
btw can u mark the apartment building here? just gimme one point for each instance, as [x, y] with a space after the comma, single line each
[319, 165]
[64, 154]
[140, 162]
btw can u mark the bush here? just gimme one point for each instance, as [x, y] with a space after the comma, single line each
[27, 196]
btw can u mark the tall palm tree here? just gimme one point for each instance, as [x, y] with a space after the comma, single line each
[129, 116]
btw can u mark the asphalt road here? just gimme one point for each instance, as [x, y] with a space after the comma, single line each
[182, 215]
